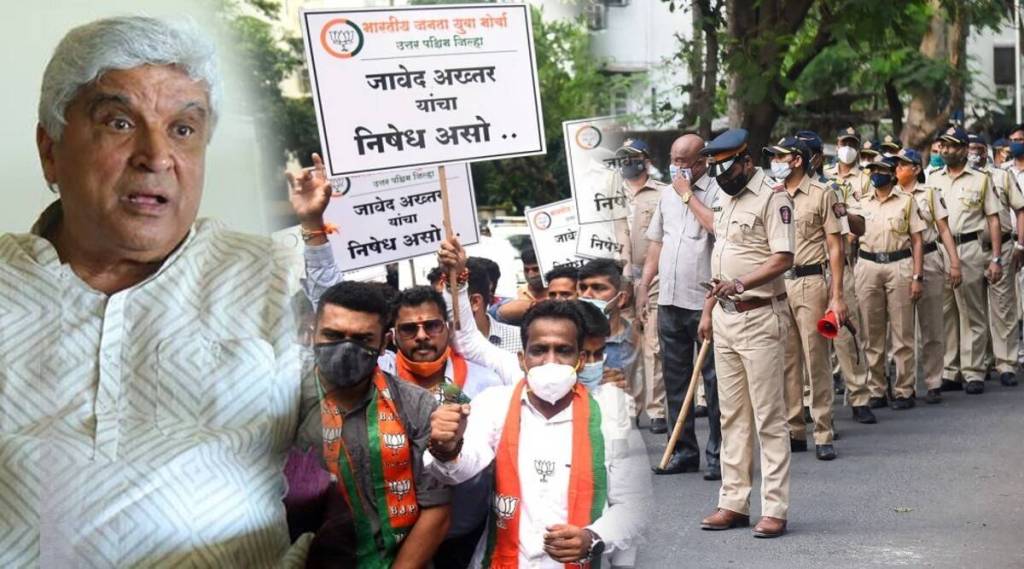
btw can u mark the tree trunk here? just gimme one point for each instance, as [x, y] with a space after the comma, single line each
[945, 40]
[709, 27]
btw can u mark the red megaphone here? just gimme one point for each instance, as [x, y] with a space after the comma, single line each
[829, 326]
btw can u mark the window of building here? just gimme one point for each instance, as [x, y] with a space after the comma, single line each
[1002, 65]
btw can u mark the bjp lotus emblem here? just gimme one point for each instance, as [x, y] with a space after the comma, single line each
[505, 508]
[394, 441]
[400, 487]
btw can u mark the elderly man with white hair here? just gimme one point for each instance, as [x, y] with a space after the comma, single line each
[149, 383]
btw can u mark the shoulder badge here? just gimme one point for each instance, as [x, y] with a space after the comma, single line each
[839, 208]
[786, 214]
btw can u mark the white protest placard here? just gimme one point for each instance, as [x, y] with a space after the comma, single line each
[590, 146]
[424, 85]
[554, 231]
[391, 216]
[599, 241]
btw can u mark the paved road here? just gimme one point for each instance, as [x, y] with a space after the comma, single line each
[935, 486]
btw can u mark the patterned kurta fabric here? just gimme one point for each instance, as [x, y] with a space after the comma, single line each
[147, 428]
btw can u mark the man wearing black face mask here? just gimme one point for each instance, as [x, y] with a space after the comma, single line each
[746, 301]
[373, 429]
[973, 216]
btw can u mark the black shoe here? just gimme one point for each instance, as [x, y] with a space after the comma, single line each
[798, 445]
[950, 385]
[713, 473]
[975, 387]
[1008, 379]
[837, 384]
[934, 396]
[807, 415]
[863, 414]
[825, 452]
[901, 403]
[677, 465]
[659, 426]
[700, 411]
[877, 402]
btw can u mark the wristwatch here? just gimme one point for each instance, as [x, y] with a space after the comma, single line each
[686, 197]
[919, 278]
[739, 286]
[596, 545]
[998, 261]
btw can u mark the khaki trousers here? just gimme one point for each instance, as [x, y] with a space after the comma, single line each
[884, 294]
[851, 364]
[965, 316]
[1003, 315]
[748, 346]
[807, 357]
[931, 334]
[647, 387]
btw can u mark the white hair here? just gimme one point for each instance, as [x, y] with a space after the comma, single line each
[89, 51]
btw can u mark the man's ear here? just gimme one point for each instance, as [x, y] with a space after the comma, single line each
[522, 361]
[45, 146]
[476, 302]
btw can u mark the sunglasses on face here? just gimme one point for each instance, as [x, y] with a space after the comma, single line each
[410, 330]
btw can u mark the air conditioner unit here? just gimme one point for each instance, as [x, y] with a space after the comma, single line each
[597, 16]
[616, 3]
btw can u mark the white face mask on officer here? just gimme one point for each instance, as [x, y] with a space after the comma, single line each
[781, 170]
[847, 154]
[552, 381]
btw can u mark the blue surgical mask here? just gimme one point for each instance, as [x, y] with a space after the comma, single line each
[880, 180]
[936, 161]
[1017, 149]
[676, 172]
[602, 305]
[591, 374]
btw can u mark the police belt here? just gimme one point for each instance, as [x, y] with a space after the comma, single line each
[885, 257]
[930, 247]
[961, 238]
[738, 306]
[804, 271]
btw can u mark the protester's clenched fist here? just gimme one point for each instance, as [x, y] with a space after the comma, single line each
[447, 426]
[451, 255]
[309, 192]
[565, 543]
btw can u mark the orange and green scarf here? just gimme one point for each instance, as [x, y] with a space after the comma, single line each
[588, 484]
[390, 469]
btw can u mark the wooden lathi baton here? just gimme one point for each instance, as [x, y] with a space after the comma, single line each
[453, 277]
[678, 429]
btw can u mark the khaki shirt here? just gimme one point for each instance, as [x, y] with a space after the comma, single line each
[815, 216]
[750, 227]
[968, 197]
[1009, 195]
[888, 224]
[857, 180]
[633, 234]
[931, 207]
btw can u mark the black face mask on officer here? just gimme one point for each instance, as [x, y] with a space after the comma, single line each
[345, 363]
[633, 169]
[954, 155]
[732, 185]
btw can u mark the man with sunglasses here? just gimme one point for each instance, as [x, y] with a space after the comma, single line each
[974, 219]
[746, 309]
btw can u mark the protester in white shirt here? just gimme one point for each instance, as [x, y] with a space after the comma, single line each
[567, 489]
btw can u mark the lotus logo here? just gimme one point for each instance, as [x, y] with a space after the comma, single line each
[341, 38]
[331, 434]
[386, 393]
[505, 508]
[400, 487]
[544, 468]
[394, 441]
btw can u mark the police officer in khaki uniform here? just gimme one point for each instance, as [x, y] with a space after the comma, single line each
[889, 279]
[642, 195]
[973, 213]
[746, 307]
[819, 241]
[890, 145]
[931, 336]
[849, 182]
[847, 170]
[1003, 309]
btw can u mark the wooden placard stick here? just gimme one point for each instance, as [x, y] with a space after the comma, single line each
[453, 277]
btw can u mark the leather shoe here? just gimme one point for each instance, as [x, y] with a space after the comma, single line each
[933, 396]
[838, 386]
[770, 527]
[1008, 379]
[825, 452]
[678, 465]
[798, 445]
[713, 473]
[863, 414]
[700, 411]
[659, 426]
[902, 403]
[877, 402]
[950, 385]
[724, 519]
[975, 387]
